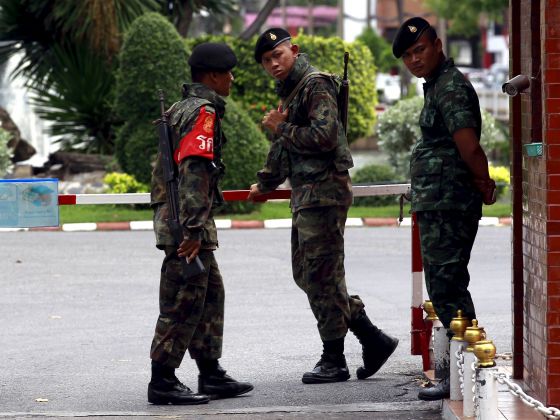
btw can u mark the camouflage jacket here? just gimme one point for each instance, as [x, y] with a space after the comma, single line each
[311, 149]
[198, 173]
[440, 179]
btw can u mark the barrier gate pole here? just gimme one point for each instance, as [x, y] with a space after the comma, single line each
[418, 328]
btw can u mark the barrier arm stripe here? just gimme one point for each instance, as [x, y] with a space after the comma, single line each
[232, 195]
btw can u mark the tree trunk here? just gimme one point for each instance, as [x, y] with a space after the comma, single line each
[264, 13]
[184, 19]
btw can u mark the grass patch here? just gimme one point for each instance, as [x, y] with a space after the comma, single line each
[104, 213]
[270, 210]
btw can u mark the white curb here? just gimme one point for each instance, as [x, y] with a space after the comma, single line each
[79, 227]
[142, 225]
[354, 222]
[277, 223]
[223, 223]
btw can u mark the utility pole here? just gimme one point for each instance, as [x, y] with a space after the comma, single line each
[368, 14]
[310, 17]
[283, 8]
[340, 20]
[442, 33]
[405, 77]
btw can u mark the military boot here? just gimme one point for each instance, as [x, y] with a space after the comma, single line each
[331, 367]
[376, 345]
[214, 382]
[442, 389]
[165, 388]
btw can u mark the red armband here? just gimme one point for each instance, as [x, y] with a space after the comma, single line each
[200, 140]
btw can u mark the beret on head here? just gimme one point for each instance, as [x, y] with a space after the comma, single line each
[212, 56]
[409, 32]
[269, 40]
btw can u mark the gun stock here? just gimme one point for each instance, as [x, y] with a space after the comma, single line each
[195, 267]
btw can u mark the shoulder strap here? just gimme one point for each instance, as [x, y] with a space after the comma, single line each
[301, 83]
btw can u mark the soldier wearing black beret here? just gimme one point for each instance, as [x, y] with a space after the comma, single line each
[192, 310]
[212, 56]
[449, 178]
[310, 148]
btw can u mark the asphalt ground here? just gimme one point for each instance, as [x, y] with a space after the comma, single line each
[77, 313]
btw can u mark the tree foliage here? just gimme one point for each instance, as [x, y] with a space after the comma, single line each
[464, 15]
[254, 89]
[65, 51]
[380, 50]
[182, 11]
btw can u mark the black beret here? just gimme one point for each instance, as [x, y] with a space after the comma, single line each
[212, 56]
[269, 40]
[409, 32]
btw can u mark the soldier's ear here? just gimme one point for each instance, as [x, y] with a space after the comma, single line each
[439, 45]
[295, 49]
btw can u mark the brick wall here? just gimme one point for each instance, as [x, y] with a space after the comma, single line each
[539, 115]
[534, 210]
[550, 31]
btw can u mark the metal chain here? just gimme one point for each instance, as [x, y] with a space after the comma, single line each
[504, 356]
[460, 364]
[473, 367]
[514, 389]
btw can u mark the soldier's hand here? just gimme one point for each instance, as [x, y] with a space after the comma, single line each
[273, 118]
[487, 188]
[254, 192]
[188, 249]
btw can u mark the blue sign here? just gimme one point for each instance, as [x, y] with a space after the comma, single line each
[28, 203]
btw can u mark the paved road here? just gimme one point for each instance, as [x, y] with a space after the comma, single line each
[77, 313]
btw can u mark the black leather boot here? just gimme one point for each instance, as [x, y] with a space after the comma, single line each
[214, 382]
[376, 345]
[442, 389]
[165, 388]
[331, 367]
[438, 392]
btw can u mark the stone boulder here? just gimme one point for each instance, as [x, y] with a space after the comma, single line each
[21, 149]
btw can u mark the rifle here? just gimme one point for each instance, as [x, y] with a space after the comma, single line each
[170, 176]
[343, 94]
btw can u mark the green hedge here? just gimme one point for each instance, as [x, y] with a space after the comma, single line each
[244, 154]
[254, 89]
[375, 174]
[153, 57]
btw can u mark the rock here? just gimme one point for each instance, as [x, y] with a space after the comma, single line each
[22, 150]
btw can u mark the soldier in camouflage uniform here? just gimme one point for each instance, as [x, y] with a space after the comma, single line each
[449, 176]
[192, 311]
[310, 149]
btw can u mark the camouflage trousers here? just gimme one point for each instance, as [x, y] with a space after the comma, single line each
[318, 268]
[447, 238]
[191, 312]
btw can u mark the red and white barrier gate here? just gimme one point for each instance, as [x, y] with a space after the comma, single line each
[420, 331]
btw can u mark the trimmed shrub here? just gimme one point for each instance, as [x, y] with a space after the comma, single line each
[375, 174]
[5, 154]
[121, 183]
[254, 89]
[501, 175]
[398, 129]
[244, 154]
[153, 57]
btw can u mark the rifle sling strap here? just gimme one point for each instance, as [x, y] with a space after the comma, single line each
[301, 83]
